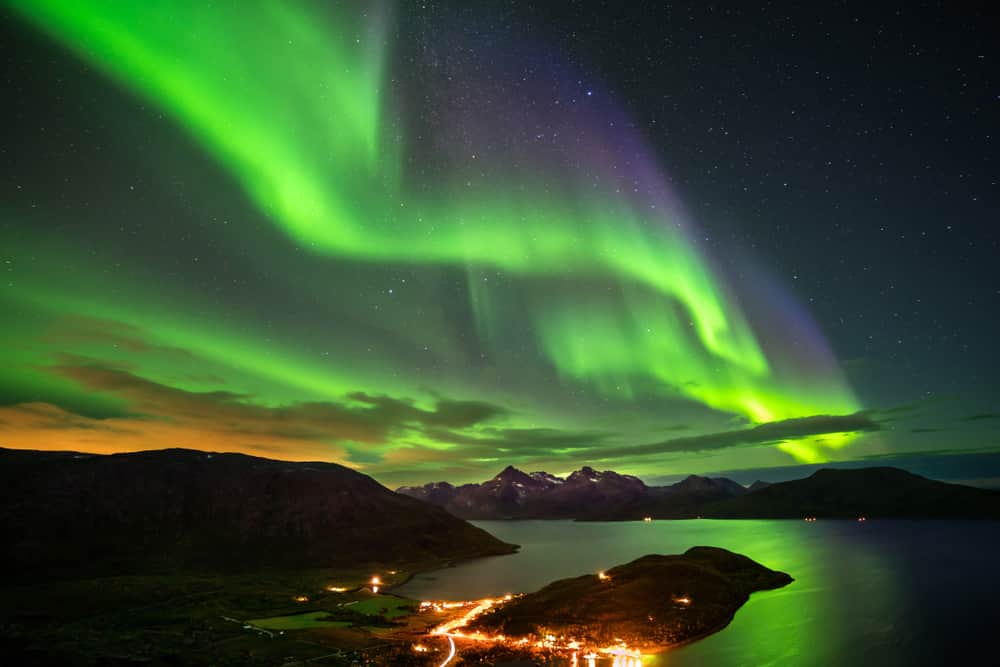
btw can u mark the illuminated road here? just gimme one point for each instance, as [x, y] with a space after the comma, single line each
[620, 654]
[451, 656]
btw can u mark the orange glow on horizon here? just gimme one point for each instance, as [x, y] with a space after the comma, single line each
[46, 427]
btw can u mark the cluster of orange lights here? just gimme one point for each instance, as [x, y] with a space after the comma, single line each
[620, 654]
[374, 584]
[809, 519]
[440, 605]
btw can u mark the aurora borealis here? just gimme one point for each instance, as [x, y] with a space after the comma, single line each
[422, 244]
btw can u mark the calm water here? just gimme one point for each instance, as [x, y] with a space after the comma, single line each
[874, 593]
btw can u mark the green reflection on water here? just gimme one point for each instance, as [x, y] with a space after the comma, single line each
[800, 622]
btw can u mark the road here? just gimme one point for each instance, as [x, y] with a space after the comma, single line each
[451, 655]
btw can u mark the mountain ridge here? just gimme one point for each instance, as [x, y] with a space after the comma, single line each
[587, 494]
[885, 492]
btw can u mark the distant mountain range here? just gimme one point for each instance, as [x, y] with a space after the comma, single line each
[584, 494]
[607, 496]
[171, 510]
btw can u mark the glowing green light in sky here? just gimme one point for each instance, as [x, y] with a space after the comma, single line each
[294, 103]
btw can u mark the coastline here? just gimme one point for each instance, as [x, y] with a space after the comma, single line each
[443, 565]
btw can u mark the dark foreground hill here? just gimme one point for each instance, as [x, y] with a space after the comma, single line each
[171, 510]
[868, 492]
[651, 603]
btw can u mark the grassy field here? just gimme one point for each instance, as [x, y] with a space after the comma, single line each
[365, 607]
[386, 606]
[303, 621]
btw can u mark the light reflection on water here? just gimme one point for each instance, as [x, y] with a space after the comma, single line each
[879, 592]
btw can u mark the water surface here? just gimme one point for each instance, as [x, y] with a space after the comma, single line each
[873, 593]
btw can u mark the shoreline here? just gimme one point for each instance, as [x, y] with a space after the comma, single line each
[589, 633]
[444, 565]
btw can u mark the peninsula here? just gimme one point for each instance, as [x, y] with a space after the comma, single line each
[648, 605]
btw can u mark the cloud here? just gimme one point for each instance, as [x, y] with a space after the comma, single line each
[447, 413]
[674, 427]
[362, 455]
[232, 411]
[764, 434]
[929, 453]
[49, 417]
[544, 446]
[980, 417]
[72, 330]
[522, 441]
[355, 429]
[361, 418]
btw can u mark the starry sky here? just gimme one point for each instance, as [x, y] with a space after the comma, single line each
[430, 239]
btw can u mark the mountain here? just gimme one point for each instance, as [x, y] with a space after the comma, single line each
[497, 498]
[682, 500]
[435, 493]
[538, 495]
[552, 480]
[174, 510]
[868, 492]
[608, 496]
[586, 494]
[695, 485]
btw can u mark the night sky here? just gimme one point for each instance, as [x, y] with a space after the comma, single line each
[431, 239]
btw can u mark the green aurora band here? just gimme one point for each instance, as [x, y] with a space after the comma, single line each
[301, 116]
